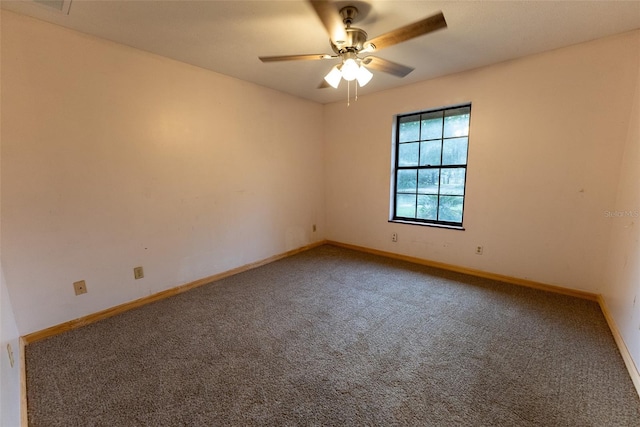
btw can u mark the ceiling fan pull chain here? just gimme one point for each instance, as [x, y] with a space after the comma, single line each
[348, 92]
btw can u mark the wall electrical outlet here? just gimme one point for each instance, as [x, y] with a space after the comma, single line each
[479, 250]
[313, 227]
[394, 237]
[138, 273]
[80, 287]
[10, 351]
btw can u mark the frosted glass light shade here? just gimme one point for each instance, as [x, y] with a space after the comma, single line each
[363, 76]
[334, 76]
[350, 70]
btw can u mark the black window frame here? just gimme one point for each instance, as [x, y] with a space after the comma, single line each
[439, 167]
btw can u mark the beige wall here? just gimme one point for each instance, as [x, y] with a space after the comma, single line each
[546, 140]
[9, 375]
[622, 279]
[114, 158]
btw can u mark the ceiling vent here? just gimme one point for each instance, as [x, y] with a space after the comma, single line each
[59, 6]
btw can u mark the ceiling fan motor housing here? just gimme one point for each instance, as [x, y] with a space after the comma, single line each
[356, 39]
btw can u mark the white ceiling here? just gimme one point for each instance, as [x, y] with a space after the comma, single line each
[228, 36]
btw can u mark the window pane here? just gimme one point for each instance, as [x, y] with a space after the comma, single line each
[427, 207]
[428, 181]
[431, 150]
[456, 122]
[452, 181]
[454, 151]
[431, 125]
[409, 128]
[451, 208]
[407, 180]
[406, 205]
[430, 153]
[408, 154]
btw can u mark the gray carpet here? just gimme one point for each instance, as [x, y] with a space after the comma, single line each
[337, 337]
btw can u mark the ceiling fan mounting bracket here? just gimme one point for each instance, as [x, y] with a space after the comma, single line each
[348, 14]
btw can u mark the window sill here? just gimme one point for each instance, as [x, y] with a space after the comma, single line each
[427, 224]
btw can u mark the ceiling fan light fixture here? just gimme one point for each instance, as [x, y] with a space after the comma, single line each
[350, 69]
[333, 77]
[364, 76]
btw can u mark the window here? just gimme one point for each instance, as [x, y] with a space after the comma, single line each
[431, 166]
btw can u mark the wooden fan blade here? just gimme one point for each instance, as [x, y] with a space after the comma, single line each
[310, 57]
[386, 66]
[331, 20]
[410, 31]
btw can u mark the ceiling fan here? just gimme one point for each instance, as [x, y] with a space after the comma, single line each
[349, 43]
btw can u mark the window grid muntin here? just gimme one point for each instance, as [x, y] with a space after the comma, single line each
[442, 115]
